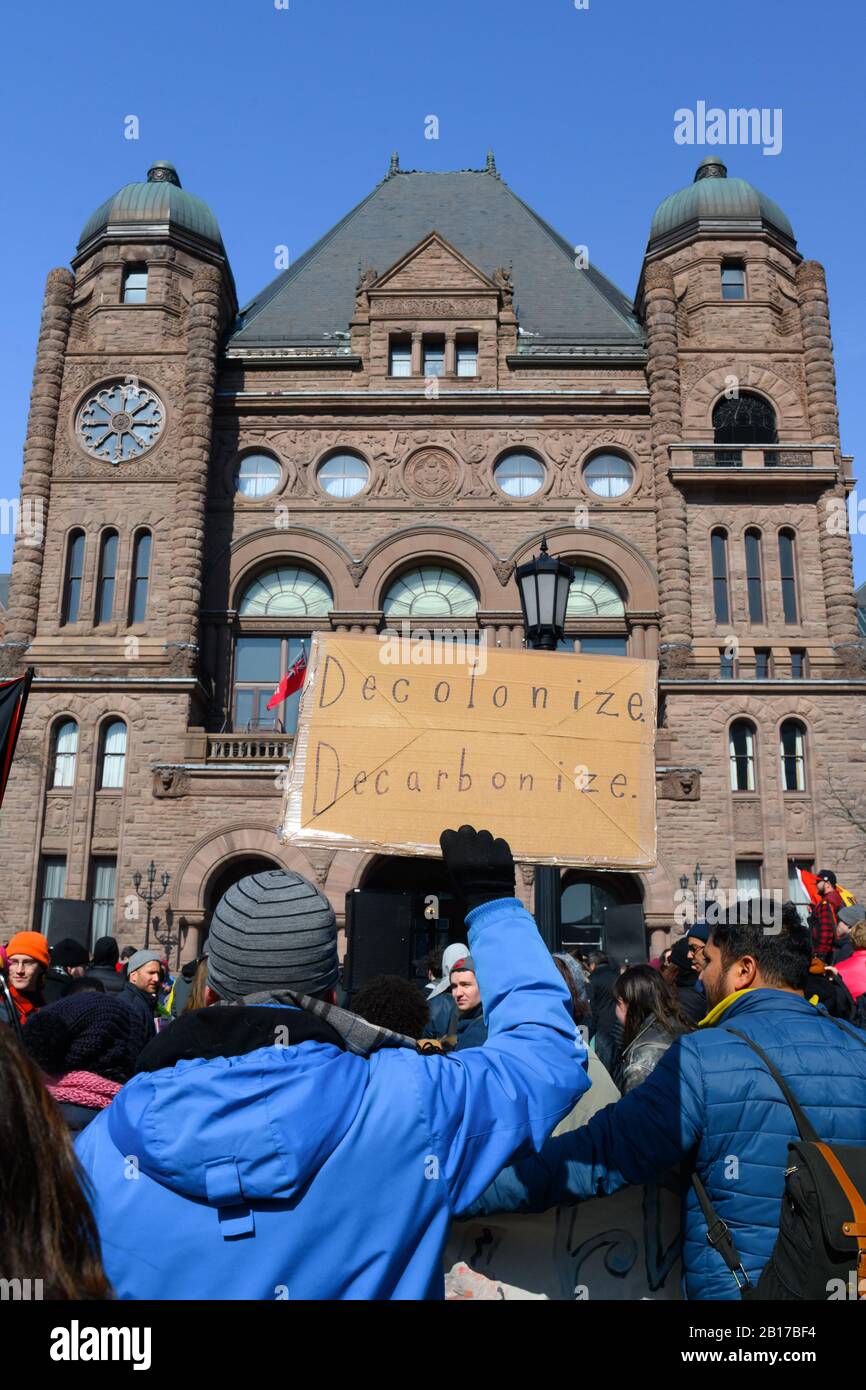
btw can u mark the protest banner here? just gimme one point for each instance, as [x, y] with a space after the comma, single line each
[552, 750]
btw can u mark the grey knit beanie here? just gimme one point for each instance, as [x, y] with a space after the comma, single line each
[272, 931]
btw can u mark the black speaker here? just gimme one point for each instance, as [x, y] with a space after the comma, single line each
[625, 934]
[70, 917]
[379, 936]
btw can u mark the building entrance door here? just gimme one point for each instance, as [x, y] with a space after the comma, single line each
[588, 900]
[424, 887]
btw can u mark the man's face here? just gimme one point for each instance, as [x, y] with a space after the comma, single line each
[465, 991]
[146, 977]
[696, 952]
[824, 886]
[24, 973]
[719, 981]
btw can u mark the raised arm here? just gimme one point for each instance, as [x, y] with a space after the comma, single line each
[485, 1102]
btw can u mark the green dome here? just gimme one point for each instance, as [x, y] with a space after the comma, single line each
[714, 199]
[159, 204]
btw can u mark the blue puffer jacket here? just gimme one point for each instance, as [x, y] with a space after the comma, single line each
[310, 1172]
[711, 1102]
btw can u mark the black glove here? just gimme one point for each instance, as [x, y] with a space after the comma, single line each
[481, 868]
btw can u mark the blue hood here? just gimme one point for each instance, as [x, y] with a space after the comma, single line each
[188, 1119]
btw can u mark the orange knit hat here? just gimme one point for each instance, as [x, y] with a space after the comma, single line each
[30, 943]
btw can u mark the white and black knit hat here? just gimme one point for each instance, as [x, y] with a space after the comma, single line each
[272, 931]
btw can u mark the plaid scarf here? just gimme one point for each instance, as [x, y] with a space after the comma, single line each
[357, 1034]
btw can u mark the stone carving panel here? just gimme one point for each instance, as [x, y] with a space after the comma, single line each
[57, 810]
[748, 823]
[679, 784]
[107, 818]
[799, 824]
[431, 475]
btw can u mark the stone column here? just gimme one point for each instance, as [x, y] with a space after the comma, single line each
[195, 446]
[417, 362]
[824, 427]
[450, 355]
[29, 550]
[663, 375]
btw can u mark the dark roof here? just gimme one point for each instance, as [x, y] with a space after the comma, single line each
[715, 202]
[4, 590]
[159, 205]
[479, 215]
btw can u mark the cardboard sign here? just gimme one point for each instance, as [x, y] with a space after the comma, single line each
[552, 750]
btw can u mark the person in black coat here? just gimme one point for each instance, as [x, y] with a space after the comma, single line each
[103, 963]
[683, 980]
[605, 1030]
[141, 991]
[87, 1046]
[68, 962]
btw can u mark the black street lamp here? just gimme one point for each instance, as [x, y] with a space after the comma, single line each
[150, 897]
[544, 584]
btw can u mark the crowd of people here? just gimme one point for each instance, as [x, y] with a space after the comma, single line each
[287, 1141]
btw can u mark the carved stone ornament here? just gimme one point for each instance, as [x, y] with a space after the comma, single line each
[683, 784]
[357, 570]
[120, 422]
[321, 861]
[431, 474]
[170, 782]
[503, 570]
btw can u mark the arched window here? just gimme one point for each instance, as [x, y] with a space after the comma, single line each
[430, 592]
[744, 419]
[140, 577]
[792, 751]
[72, 578]
[64, 754]
[788, 569]
[721, 601]
[286, 592]
[113, 760]
[593, 595]
[106, 577]
[741, 749]
[754, 576]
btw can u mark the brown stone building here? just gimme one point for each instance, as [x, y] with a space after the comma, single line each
[382, 434]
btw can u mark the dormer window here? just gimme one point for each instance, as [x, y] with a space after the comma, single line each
[400, 356]
[467, 354]
[733, 280]
[433, 347]
[135, 284]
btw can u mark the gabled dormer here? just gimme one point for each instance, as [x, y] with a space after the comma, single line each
[433, 320]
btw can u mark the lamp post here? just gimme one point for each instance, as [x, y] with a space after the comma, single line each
[543, 584]
[150, 897]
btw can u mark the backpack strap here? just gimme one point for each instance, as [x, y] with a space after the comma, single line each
[719, 1236]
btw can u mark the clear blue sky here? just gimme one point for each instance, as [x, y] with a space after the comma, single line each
[283, 119]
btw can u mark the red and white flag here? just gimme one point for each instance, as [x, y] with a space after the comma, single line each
[292, 681]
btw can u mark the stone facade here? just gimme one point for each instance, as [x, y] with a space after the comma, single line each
[198, 796]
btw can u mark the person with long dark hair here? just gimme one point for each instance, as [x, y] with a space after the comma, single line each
[651, 1019]
[47, 1230]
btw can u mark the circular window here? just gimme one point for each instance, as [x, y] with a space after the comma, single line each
[519, 475]
[608, 475]
[343, 475]
[120, 422]
[257, 475]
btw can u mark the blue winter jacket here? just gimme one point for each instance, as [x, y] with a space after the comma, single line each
[713, 1104]
[310, 1172]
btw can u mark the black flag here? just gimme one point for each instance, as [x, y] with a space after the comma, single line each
[13, 698]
